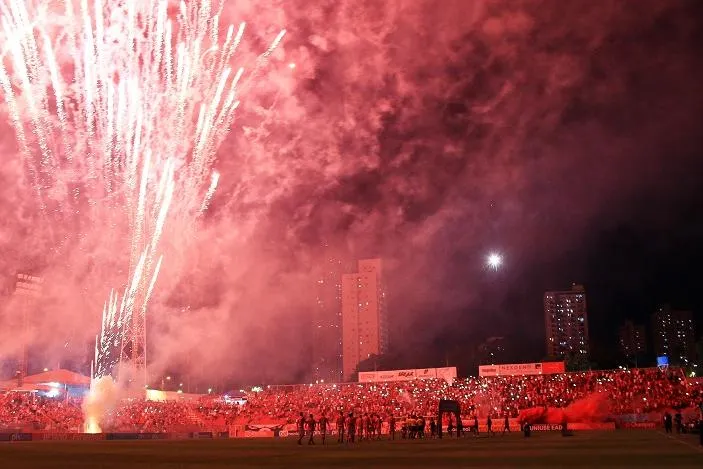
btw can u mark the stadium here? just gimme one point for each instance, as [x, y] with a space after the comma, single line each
[632, 417]
[350, 233]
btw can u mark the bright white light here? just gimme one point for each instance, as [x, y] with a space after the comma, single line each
[494, 261]
[291, 65]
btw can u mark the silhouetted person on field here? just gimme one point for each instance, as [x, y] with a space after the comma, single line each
[678, 421]
[351, 431]
[301, 428]
[340, 428]
[391, 427]
[506, 424]
[476, 424]
[311, 429]
[459, 427]
[323, 427]
[667, 422]
[489, 425]
[377, 422]
[364, 433]
[565, 428]
[433, 428]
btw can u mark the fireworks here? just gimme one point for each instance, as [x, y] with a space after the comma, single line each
[117, 100]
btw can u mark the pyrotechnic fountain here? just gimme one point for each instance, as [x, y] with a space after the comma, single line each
[135, 105]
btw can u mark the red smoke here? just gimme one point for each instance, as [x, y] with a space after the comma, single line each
[592, 408]
[400, 125]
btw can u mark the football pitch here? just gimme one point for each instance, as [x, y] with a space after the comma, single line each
[632, 448]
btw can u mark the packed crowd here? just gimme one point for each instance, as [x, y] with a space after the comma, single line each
[628, 391]
[152, 417]
[26, 410]
[31, 412]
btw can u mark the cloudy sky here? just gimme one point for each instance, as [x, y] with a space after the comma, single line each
[565, 135]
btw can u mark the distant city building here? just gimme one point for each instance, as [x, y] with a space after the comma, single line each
[364, 328]
[492, 351]
[632, 341]
[327, 320]
[566, 322]
[673, 335]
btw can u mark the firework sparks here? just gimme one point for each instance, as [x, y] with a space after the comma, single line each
[136, 117]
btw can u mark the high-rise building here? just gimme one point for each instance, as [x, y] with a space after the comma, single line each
[327, 320]
[673, 335]
[632, 341]
[364, 328]
[566, 322]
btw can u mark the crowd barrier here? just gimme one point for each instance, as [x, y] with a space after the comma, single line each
[15, 437]
[247, 432]
[576, 426]
[633, 418]
[241, 431]
[639, 425]
[209, 435]
[68, 436]
[136, 436]
[110, 436]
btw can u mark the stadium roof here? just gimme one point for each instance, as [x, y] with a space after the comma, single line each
[66, 377]
[8, 385]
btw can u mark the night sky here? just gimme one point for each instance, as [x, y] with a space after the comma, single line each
[566, 136]
[594, 182]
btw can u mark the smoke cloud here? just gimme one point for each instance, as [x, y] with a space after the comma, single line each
[423, 133]
[103, 397]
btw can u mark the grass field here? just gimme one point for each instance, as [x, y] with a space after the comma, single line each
[547, 450]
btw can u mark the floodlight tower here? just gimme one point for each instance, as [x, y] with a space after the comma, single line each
[27, 289]
[133, 346]
[133, 343]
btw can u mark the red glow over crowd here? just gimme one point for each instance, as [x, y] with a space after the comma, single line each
[640, 391]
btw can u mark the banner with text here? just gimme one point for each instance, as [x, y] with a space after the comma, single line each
[448, 374]
[545, 368]
[576, 426]
[68, 436]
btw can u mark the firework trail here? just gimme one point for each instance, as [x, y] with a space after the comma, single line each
[132, 103]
